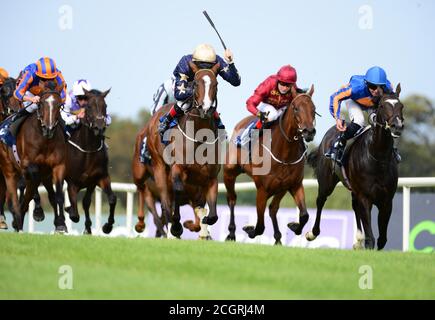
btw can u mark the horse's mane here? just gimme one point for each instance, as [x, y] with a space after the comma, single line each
[96, 92]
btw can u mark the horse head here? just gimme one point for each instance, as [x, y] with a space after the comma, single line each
[8, 102]
[389, 113]
[49, 105]
[304, 113]
[96, 111]
[205, 89]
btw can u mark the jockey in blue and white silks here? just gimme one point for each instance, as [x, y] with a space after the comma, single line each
[205, 57]
[74, 108]
[358, 94]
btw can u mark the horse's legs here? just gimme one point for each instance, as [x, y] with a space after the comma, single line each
[140, 225]
[261, 202]
[31, 187]
[383, 219]
[176, 227]
[230, 176]
[327, 185]
[160, 178]
[73, 210]
[273, 210]
[105, 185]
[151, 205]
[365, 215]
[38, 212]
[298, 194]
[3, 224]
[211, 198]
[11, 184]
[358, 209]
[58, 176]
[86, 202]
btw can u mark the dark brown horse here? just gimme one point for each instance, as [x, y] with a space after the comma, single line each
[41, 148]
[148, 194]
[173, 177]
[87, 160]
[371, 169]
[284, 156]
[8, 105]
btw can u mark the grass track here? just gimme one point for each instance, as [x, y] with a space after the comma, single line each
[119, 268]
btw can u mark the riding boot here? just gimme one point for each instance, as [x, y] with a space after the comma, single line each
[145, 156]
[218, 121]
[336, 151]
[166, 120]
[395, 150]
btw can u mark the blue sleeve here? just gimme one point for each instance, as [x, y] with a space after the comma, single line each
[336, 98]
[229, 72]
[182, 74]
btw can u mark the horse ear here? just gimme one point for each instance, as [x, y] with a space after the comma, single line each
[59, 87]
[398, 89]
[193, 66]
[42, 85]
[311, 90]
[294, 91]
[86, 92]
[216, 68]
[105, 93]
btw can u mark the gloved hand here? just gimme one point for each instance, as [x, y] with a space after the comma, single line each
[262, 115]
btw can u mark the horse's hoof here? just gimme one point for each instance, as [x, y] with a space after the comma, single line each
[139, 227]
[61, 229]
[359, 245]
[209, 220]
[250, 230]
[230, 237]
[295, 227]
[177, 230]
[310, 236]
[3, 224]
[107, 228]
[206, 238]
[87, 232]
[161, 234]
[278, 243]
[75, 218]
[15, 225]
[38, 214]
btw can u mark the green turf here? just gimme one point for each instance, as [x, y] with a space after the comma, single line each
[109, 268]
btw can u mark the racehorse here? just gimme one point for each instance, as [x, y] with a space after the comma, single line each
[286, 159]
[41, 148]
[8, 105]
[174, 178]
[371, 170]
[149, 195]
[87, 160]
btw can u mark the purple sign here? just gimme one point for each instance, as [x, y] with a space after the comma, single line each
[337, 227]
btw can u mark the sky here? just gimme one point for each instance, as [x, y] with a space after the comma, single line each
[133, 46]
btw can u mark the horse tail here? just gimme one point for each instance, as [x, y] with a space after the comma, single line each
[313, 158]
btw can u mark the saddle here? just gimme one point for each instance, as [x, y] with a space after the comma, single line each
[340, 171]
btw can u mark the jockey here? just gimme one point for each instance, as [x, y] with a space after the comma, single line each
[164, 95]
[3, 76]
[204, 56]
[271, 97]
[75, 104]
[28, 89]
[358, 94]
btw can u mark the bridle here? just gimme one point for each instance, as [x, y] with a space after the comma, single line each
[292, 106]
[38, 114]
[386, 126]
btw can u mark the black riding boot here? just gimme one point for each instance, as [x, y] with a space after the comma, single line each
[175, 112]
[336, 151]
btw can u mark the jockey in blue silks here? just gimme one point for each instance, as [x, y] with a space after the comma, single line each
[358, 94]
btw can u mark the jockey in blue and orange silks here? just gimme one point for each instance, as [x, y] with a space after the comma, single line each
[358, 94]
[204, 56]
[28, 89]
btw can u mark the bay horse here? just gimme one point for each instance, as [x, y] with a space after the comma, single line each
[149, 194]
[286, 160]
[41, 148]
[87, 160]
[172, 179]
[370, 167]
[8, 105]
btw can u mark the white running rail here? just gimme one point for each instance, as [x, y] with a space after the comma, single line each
[405, 183]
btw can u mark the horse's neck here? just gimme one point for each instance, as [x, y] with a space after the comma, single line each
[85, 137]
[381, 145]
[287, 127]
